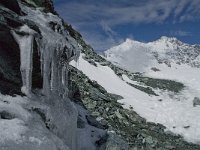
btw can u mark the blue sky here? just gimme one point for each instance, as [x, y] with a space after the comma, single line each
[105, 23]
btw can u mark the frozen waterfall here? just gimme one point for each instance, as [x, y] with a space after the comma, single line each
[56, 49]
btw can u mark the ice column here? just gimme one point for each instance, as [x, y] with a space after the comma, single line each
[25, 41]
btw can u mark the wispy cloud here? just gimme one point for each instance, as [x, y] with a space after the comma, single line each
[89, 15]
[144, 11]
[99, 41]
[107, 29]
[180, 33]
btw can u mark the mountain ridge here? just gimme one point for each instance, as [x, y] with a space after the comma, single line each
[164, 50]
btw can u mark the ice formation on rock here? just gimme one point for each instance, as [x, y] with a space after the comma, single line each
[26, 53]
[44, 34]
[56, 49]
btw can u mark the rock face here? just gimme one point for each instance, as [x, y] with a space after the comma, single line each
[12, 5]
[32, 49]
[47, 5]
[35, 51]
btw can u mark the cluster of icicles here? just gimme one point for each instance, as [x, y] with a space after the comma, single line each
[56, 49]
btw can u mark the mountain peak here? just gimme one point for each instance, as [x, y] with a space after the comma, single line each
[131, 41]
[165, 38]
[161, 39]
[128, 40]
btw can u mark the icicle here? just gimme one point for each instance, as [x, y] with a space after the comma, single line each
[26, 53]
[51, 44]
[65, 80]
[47, 70]
[54, 73]
[40, 52]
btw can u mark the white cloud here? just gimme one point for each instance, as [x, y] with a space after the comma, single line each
[107, 29]
[99, 41]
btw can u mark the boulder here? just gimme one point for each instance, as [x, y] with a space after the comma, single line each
[92, 121]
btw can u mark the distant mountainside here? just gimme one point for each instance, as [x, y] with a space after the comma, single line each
[137, 56]
[165, 58]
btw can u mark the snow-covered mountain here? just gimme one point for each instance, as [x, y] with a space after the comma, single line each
[137, 56]
[166, 58]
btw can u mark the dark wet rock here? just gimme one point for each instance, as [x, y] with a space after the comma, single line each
[44, 118]
[155, 69]
[12, 20]
[10, 76]
[46, 4]
[6, 115]
[92, 62]
[113, 142]
[147, 90]
[12, 5]
[32, 25]
[80, 123]
[37, 79]
[92, 121]
[196, 101]
[186, 127]
[102, 140]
